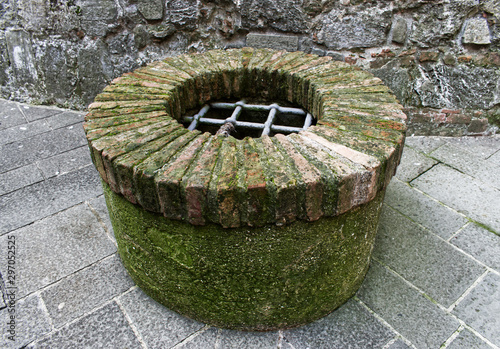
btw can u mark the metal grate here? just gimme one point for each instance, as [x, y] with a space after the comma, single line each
[275, 122]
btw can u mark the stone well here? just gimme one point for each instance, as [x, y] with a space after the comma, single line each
[249, 233]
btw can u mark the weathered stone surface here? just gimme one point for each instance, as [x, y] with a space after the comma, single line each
[399, 30]
[356, 29]
[421, 321]
[113, 328]
[56, 247]
[151, 10]
[468, 196]
[276, 42]
[211, 265]
[31, 322]
[85, 290]
[19, 178]
[477, 32]
[480, 306]
[350, 326]
[425, 211]
[282, 16]
[466, 339]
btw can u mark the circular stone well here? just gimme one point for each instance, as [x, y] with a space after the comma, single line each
[255, 233]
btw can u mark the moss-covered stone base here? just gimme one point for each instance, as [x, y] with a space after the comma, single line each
[262, 278]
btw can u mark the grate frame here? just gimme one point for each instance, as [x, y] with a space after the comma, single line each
[267, 127]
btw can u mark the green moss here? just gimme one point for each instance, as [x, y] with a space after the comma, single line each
[246, 278]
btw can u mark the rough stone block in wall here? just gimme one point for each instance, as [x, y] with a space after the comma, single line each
[477, 32]
[276, 42]
[151, 9]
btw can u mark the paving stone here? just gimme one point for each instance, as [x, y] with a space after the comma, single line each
[65, 162]
[431, 214]
[398, 344]
[106, 327]
[415, 317]
[413, 163]
[206, 339]
[10, 115]
[26, 151]
[35, 113]
[494, 158]
[480, 243]
[23, 131]
[19, 178]
[463, 193]
[86, 289]
[45, 198]
[424, 144]
[480, 308]
[481, 147]
[423, 259]
[469, 163]
[31, 322]
[99, 204]
[466, 340]
[250, 340]
[158, 326]
[57, 246]
[65, 118]
[350, 326]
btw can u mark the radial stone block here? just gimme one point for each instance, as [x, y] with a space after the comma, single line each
[250, 233]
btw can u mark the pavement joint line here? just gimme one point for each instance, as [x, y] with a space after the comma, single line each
[468, 291]
[385, 323]
[391, 342]
[69, 323]
[18, 105]
[101, 222]
[45, 310]
[37, 164]
[453, 336]
[455, 234]
[190, 337]
[476, 333]
[131, 324]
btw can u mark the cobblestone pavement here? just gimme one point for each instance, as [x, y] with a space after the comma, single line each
[434, 280]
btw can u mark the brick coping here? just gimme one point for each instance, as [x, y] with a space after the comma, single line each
[144, 153]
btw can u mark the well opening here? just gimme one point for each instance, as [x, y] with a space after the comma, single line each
[243, 119]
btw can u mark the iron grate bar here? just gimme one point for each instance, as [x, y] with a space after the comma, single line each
[267, 127]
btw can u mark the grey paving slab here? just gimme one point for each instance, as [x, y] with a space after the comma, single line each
[251, 340]
[30, 322]
[19, 178]
[99, 205]
[42, 199]
[424, 144]
[23, 131]
[494, 158]
[86, 289]
[480, 243]
[350, 326]
[428, 262]
[35, 113]
[430, 213]
[482, 147]
[463, 193]
[467, 340]
[65, 118]
[10, 115]
[106, 327]
[413, 163]
[55, 247]
[158, 326]
[206, 339]
[65, 162]
[398, 344]
[469, 163]
[480, 309]
[414, 316]
[26, 151]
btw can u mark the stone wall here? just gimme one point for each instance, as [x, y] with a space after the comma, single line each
[441, 58]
